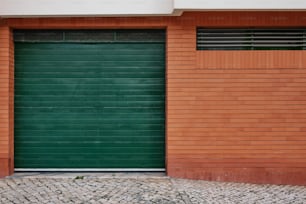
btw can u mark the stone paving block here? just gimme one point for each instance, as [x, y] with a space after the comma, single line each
[146, 189]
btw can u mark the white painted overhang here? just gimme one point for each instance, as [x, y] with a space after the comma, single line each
[240, 5]
[62, 8]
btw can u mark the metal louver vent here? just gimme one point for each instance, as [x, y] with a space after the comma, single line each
[89, 36]
[251, 39]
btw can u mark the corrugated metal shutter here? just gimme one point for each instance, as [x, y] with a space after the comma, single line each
[89, 101]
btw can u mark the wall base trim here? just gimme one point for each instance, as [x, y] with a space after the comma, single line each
[279, 176]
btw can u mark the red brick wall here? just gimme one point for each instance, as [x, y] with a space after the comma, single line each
[231, 115]
[238, 125]
[6, 100]
[238, 115]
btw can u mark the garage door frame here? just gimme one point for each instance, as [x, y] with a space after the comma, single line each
[120, 169]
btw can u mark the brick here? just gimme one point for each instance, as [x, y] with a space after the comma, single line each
[233, 104]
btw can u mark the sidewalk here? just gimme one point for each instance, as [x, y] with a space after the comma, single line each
[137, 188]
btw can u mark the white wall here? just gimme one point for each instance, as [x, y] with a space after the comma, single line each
[9, 8]
[240, 4]
[41, 8]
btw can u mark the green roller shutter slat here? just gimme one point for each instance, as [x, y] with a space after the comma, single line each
[97, 105]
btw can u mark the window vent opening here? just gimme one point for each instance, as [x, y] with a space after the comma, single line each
[90, 36]
[251, 39]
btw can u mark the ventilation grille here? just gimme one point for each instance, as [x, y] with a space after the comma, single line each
[89, 36]
[251, 39]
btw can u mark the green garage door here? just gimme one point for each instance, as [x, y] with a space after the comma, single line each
[90, 99]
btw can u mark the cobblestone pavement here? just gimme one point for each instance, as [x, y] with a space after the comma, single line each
[116, 188]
